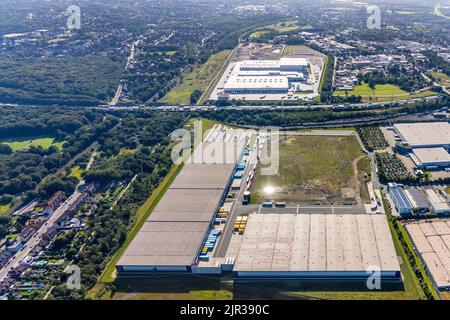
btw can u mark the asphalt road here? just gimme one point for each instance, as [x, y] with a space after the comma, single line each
[227, 232]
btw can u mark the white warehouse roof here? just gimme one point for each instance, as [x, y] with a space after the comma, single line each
[428, 156]
[259, 64]
[293, 62]
[427, 134]
[257, 82]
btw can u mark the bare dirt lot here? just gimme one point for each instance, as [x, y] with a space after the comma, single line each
[316, 170]
[257, 51]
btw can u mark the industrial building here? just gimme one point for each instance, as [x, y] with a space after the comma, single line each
[317, 246]
[424, 135]
[429, 158]
[401, 201]
[417, 200]
[266, 76]
[438, 203]
[172, 236]
[431, 240]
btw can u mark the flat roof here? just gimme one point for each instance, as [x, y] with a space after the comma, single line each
[174, 231]
[436, 201]
[431, 239]
[203, 176]
[258, 64]
[432, 155]
[257, 82]
[418, 197]
[165, 244]
[187, 205]
[226, 152]
[400, 198]
[293, 61]
[424, 134]
[316, 242]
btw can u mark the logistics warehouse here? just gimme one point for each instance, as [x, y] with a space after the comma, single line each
[426, 143]
[267, 76]
[171, 238]
[180, 235]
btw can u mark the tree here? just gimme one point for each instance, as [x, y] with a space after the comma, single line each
[195, 95]
[5, 149]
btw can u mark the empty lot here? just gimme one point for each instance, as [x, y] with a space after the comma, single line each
[314, 169]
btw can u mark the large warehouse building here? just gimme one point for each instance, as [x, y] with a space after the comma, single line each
[172, 236]
[432, 241]
[317, 246]
[424, 135]
[427, 158]
[266, 76]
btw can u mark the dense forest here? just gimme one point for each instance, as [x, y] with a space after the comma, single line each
[88, 80]
[146, 135]
[436, 62]
[23, 170]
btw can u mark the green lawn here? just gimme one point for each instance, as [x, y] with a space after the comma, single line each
[424, 94]
[18, 144]
[442, 78]
[285, 26]
[5, 208]
[206, 125]
[76, 172]
[364, 90]
[199, 78]
[383, 93]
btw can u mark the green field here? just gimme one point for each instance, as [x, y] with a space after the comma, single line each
[442, 78]
[199, 78]
[76, 172]
[18, 144]
[257, 34]
[285, 26]
[313, 169]
[364, 90]
[4, 208]
[382, 93]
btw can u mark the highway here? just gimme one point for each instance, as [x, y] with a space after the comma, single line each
[308, 107]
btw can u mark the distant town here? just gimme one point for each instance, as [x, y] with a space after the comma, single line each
[312, 142]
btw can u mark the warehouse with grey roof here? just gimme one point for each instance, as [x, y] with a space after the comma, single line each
[172, 236]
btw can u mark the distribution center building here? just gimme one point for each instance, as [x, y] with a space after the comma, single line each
[172, 236]
[431, 240]
[424, 135]
[401, 201]
[317, 246]
[266, 76]
[430, 157]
